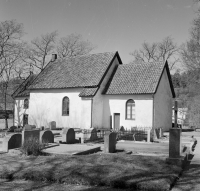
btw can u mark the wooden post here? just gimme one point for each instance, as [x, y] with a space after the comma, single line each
[175, 113]
[110, 121]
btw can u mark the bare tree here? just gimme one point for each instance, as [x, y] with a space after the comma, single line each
[190, 50]
[11, 48]
[194, 111]
[10, 37]
[161, 51]
[73, 45]
[35, 54]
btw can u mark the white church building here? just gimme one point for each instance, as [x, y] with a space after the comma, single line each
[97, 91]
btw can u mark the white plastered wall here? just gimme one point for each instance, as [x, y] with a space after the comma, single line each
[98, 99]
[20, 111]
[46, 106]
[163, 104]
[117, 104]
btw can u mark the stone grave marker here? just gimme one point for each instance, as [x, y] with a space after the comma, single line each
[68, 135]
[46, 137]
[174, 146]
[110, 142]
[174, 143]
[29, 127]
[12, 141]
[93, 134]
[52, 125]
[33, 133]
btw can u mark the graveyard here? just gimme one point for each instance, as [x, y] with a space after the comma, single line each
[94, 159]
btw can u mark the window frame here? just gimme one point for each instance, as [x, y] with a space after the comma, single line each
[132, 109]
[65, 112]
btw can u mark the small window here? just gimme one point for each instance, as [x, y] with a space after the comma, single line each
[26, 103]
[65, 106]
[130, 109]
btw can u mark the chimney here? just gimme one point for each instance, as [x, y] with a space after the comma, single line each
[53, 57]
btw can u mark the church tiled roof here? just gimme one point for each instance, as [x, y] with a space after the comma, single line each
[83, 71]
[137, 78]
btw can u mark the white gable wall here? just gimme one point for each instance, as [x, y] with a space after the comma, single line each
[117, 104]
[163, 104]
[46, 106]
[19, 111]
[98, 100]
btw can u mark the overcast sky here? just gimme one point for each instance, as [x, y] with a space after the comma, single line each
[111, 25]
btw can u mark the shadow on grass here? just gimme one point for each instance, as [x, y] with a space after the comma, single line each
[187, 130]
[111, 170]
[190, 178]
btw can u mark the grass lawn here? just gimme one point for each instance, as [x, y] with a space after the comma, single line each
[103, 170]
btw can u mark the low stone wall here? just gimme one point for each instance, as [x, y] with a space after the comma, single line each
[16, 140]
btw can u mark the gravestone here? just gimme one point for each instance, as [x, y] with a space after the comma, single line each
[33, 133]
[174, 143]
[93, 134]
[29, 127]
[110, 142]
[68, 135]
[12, 141]
[46, 137]
[52, 125]
[174, 146]
[12, 129]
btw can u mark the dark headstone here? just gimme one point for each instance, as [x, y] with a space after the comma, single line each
[46, 137]
[174, 142]
[93, 134]
[68, 135]
[27, 134]
[12, 141]
[12, 128]
[110, 142]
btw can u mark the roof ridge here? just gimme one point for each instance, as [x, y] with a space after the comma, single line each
[84, 70]
[142, 62]
[84, 55]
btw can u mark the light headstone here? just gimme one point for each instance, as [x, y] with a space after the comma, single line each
[52, 125]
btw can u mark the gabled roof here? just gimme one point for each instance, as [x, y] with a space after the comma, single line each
[22, 90]
[137, 78]
[83, 71]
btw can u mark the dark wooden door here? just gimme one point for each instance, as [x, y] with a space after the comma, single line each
[25, 119]
[116, 121]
